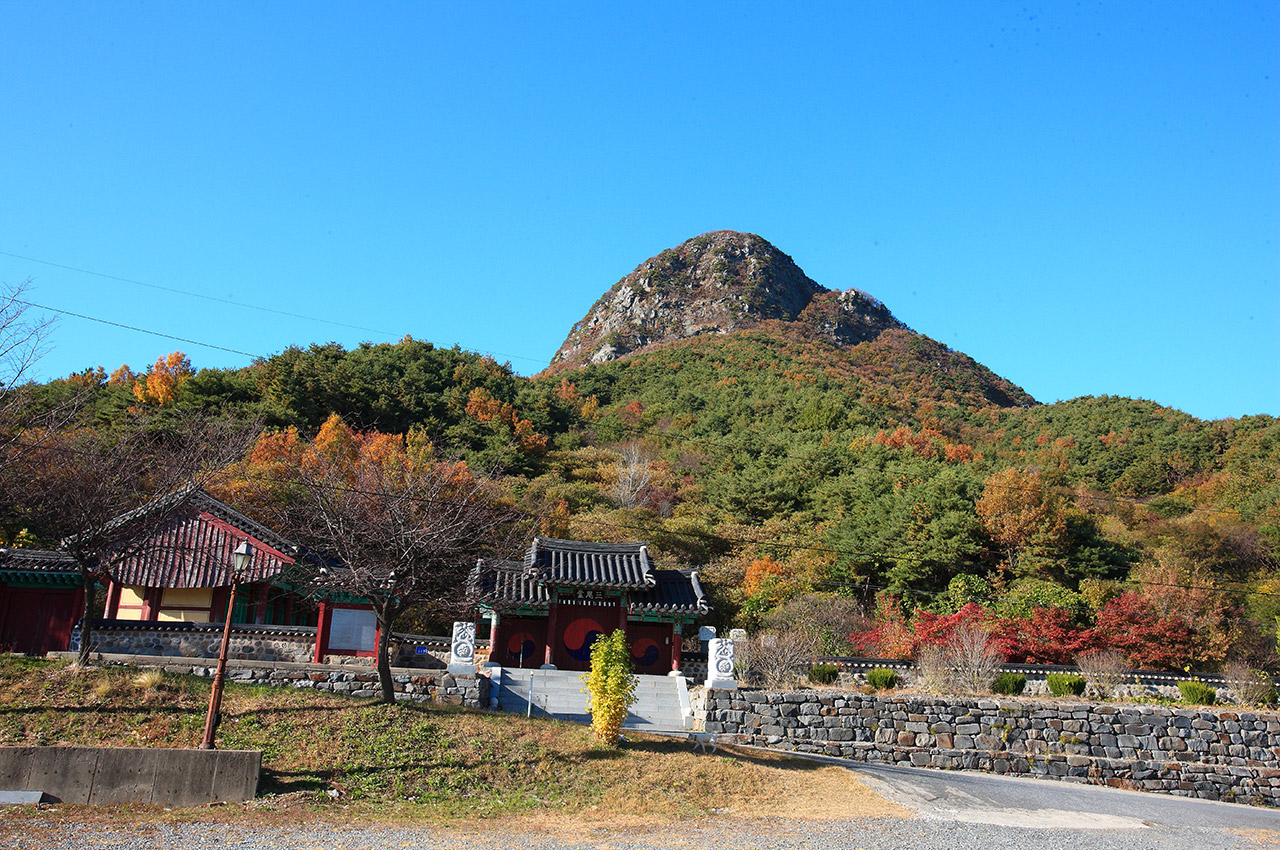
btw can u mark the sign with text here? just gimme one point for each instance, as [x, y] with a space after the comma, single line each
[352, 630]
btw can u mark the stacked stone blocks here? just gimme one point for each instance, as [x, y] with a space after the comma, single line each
[410, 684]
[1211, 754]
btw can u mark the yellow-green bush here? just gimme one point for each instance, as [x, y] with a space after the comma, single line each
[611, 687]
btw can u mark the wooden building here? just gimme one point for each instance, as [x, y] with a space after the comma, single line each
[180, 569]
[41, 598]
[550, 609]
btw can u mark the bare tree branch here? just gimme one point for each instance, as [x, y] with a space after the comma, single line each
[405, 530]
[21, 337]
[78, 485]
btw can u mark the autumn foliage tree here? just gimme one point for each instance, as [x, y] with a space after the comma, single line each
[396, 525]
[1018, 511]
[160, 384]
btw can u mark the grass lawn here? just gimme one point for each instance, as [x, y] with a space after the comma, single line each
[328, 757]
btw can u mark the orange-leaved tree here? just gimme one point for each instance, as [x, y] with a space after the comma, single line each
[393, 524]
[160, 384]
[1017, 509]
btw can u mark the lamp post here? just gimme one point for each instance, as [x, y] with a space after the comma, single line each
[240, 561]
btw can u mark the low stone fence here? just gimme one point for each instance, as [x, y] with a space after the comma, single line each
[1137, 684]
[201, 640]
[1207, 753]
[251, 642]
[410, 684]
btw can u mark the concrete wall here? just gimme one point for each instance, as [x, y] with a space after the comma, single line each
[1196, 752]
[105, 775]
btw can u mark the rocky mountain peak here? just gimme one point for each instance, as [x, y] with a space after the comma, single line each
[718, 282]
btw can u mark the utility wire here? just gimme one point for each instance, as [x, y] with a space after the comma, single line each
[202, 295]
[140, 330]
[214, 298]
[718, 440]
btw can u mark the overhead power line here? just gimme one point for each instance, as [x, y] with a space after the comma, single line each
[233, 303]
[718, 440]
[190, 294]
[139, 330]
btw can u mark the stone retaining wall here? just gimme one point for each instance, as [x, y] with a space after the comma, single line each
[1207, 753]
[410, 684]
[249, 642]
[295, 644]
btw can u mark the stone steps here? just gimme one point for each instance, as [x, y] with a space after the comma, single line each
[562, 694]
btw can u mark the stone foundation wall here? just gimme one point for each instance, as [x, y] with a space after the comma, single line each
[1207, 753]
[294, 644]
[410, 684]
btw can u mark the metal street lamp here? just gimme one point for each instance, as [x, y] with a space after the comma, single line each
[240, 559]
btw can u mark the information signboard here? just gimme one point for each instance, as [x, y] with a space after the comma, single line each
[352, 630]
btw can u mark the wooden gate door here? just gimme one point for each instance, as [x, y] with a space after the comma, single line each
[578, 627]
[650, 647]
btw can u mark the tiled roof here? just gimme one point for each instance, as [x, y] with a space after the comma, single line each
[197, 497]
[508, 583]
[193, 548]
[206, 628]
[575, 563]
[677, 591]
[37, 560]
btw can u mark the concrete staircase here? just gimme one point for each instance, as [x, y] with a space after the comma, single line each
[662, 704]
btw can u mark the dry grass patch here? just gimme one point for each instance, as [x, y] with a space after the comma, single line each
[326, 756]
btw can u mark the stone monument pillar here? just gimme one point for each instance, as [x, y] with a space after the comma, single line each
[720, 665]
[739, 638]
[462, 655]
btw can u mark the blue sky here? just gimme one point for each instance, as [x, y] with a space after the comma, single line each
[1084, 197]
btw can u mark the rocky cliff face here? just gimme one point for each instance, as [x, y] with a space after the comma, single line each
[716, 283]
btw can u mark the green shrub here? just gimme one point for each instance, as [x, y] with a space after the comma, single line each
[1009, 684]
[882, 678]
[823, 674]
[611, 686]
[1065, 684]
[1197, 693]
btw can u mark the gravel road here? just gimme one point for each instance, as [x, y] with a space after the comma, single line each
[948, 809]
[912, 834]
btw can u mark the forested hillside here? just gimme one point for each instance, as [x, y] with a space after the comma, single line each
[887, 470]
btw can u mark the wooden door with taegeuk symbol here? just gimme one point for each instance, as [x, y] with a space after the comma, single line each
[521, 643]
[578, 627]
[650, 647]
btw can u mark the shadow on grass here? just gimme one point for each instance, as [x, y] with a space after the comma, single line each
[775, 759]
[170, 708]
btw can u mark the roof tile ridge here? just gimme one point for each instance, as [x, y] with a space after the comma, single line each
[243, 521]
[646, 566]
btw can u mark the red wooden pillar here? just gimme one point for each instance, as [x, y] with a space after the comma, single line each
[112, 606]
[322, 633]
[260, 609]
[288, 609]
[622, 615]
[554, 609]
[677, 638]
[151, 603]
